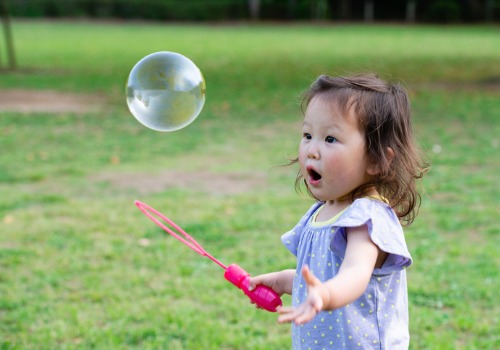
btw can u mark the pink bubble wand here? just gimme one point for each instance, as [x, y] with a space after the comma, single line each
[262, 295]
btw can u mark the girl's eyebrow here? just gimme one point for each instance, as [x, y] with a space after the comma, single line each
[333, 126]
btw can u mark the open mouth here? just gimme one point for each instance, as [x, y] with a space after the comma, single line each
[314, 176]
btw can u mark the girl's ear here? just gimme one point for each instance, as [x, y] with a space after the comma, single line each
[375, 168]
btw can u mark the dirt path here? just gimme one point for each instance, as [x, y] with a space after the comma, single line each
[47, 101]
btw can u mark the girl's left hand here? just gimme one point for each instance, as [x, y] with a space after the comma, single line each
[305, 312]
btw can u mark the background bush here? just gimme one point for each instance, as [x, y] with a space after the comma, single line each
[223, 10]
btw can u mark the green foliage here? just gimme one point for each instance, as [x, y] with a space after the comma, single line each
[82, 268]
[161, 10]
[442, 11]
[445, 11]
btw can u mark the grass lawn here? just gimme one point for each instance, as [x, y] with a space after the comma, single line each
[82, 268]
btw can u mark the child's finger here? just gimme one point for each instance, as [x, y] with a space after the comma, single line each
[314, 285]
[305, 316]
[299, 315]
[253, 282]
[310, 279]
[284, 310]
[287, 314]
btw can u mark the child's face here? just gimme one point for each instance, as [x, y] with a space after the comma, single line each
[332, 153]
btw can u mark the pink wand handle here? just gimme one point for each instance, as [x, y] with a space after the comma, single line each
[262, 295]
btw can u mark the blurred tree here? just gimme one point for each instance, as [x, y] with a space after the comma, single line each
[319, 9]
[439, 11]
[345, 9]
[489, 9]
[4, 14]
[411, 11]
[369, 11]
[254, 9]
[474, 9]
[445, 11]
[292, 8]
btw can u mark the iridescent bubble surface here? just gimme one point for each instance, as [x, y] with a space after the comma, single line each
[165, 91]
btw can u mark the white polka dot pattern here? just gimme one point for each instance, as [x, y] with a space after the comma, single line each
[379, 318]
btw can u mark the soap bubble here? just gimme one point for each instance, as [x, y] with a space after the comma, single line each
[165, 91]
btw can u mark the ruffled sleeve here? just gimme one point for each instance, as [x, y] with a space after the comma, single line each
[291, 239]
[384, 230]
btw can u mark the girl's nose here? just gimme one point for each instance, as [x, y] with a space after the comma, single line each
[313, 153]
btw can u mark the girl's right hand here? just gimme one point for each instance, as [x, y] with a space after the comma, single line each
[281, 282]
[269, 280]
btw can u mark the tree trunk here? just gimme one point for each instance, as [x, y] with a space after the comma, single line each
[292, 7]
[4, 13]
[411, 11]
[489, 9]
[369, 16]
[254, 8]
[319, 9]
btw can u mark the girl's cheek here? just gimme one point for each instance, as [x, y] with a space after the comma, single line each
[301, 153]
[302, 156]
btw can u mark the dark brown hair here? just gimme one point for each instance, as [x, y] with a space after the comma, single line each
[384, 114]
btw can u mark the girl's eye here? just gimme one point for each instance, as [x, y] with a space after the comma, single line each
[330, 139]
[307, 136]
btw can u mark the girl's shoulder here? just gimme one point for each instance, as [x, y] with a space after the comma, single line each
[292, 238]
[383, 228]
[366, 209]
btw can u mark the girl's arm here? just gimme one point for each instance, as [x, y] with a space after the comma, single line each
[361, 256]
[281, 281]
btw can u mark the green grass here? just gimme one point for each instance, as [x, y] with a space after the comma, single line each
[82, 268]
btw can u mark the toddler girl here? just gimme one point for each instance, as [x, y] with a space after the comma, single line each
[359, 161]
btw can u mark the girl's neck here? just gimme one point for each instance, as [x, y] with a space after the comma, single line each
[335, 206]
[332, 208]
